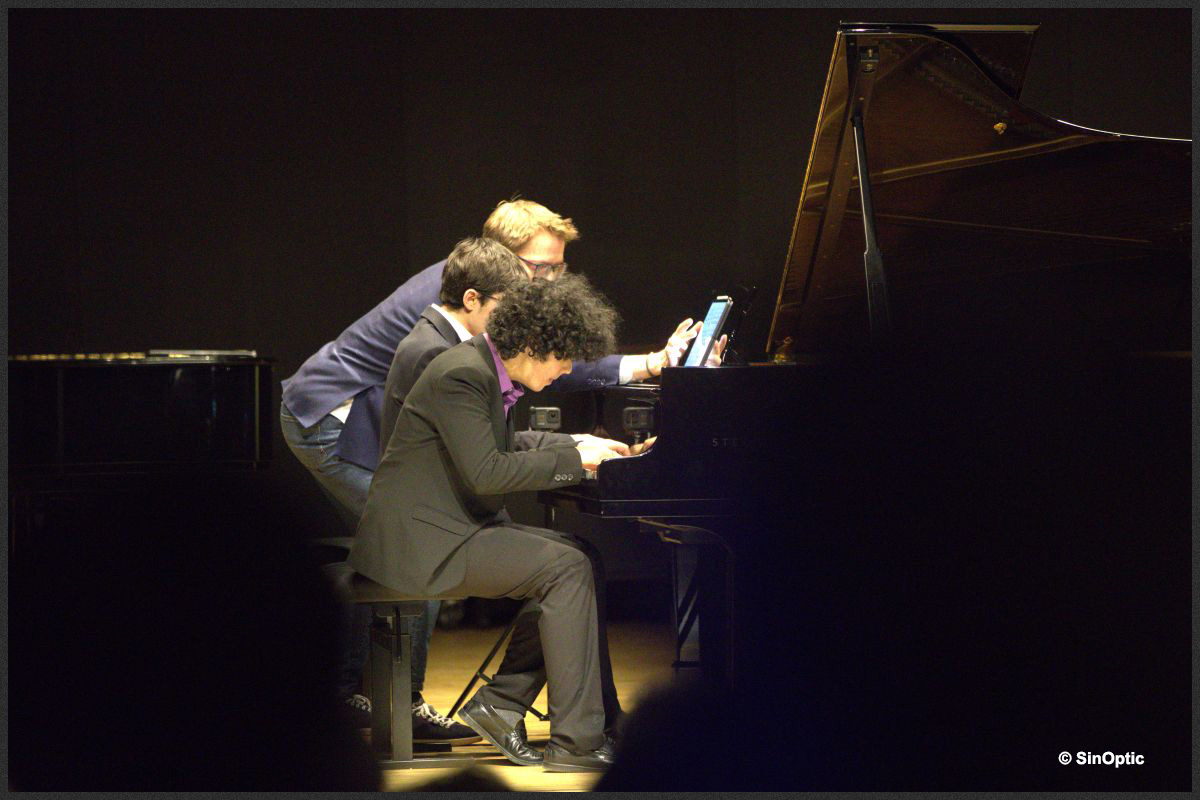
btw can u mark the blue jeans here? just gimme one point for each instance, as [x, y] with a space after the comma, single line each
[346, 484]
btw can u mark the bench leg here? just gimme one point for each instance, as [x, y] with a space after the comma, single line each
[401, 671]
[391, 687]
[381, 680]
[391, 697]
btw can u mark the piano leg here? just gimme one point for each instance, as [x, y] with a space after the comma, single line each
[715, 600]
[705, 607]
[685, 585]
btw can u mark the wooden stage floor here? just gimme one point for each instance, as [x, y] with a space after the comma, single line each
[641, 654]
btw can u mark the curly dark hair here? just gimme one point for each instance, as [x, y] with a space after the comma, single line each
[566, 317]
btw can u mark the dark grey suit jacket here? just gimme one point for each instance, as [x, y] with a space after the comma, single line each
[445, 470]
[431, 336]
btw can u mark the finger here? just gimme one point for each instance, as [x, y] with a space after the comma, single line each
[717, 356]
[618, 447]
[680, 341]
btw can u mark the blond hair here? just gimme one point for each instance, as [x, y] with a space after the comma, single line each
[515, 222]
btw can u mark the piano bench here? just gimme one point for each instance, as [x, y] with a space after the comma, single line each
[390, 685]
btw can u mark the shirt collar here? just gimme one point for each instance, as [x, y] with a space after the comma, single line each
[509, 391]
[463, 333]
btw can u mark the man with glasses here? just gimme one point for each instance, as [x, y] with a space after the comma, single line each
[332, 405]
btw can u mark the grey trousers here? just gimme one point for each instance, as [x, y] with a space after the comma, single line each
[560, 642]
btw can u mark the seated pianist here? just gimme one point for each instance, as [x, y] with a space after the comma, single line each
[331, 409]
[435, 524]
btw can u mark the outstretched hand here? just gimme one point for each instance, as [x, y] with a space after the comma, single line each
[678, 342]
[672, 352]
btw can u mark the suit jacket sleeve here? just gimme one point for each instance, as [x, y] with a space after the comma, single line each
[589, 375]
[462, 417]
[536, 440]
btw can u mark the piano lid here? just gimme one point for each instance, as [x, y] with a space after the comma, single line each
[992, 219]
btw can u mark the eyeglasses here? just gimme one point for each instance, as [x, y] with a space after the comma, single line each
[542, 270]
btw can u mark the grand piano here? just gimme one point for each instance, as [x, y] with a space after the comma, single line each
[141, 412]
[985, 220]
[98, 425]
[958, 469]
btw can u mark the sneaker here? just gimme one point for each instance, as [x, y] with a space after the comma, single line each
[360, 710]
[430, 727]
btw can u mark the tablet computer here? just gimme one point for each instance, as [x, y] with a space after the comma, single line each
[714, 321]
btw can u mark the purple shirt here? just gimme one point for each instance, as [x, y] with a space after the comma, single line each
[509, 392]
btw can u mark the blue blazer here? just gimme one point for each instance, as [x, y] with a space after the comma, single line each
[356, 364]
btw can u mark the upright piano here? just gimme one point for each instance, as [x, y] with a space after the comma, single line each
[959, 468]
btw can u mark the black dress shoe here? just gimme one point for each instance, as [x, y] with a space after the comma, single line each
[609, 747]
[510, 739]
[560, 759]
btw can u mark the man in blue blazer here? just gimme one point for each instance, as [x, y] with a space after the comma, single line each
[332, 406]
